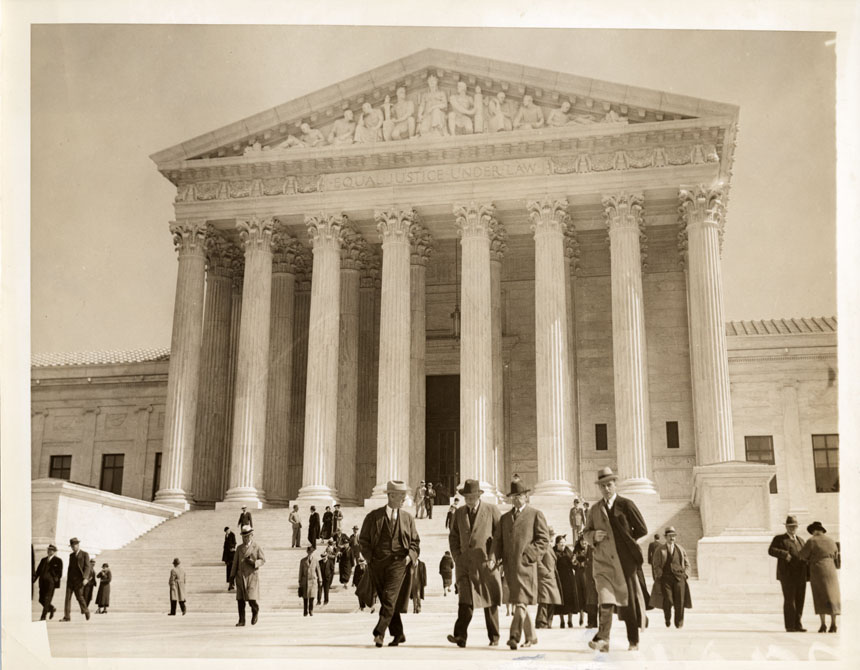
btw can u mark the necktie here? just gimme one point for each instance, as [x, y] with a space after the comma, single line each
[472, 514]
[516, 513]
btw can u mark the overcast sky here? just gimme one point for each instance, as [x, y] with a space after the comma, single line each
[106, 97]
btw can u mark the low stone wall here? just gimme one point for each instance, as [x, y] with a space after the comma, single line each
[101, 520]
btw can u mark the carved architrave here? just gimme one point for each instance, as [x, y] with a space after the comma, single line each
[498, 240]
[256, 233]
[474, 220]
[422, 243]
[324, 230]
[189, 236]
[394, 223]
[704, 206]
[549, 215]
[352, 245]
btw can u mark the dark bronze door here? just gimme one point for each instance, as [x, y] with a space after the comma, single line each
[442, 451]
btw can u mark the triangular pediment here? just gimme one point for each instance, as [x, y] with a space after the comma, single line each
[592, 103]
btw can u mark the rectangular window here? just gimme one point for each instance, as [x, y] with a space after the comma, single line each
[600, 441]
[825, 457]
[156, 475]
[672, 441]
[61, 467]
[112, 473]
[759, 449]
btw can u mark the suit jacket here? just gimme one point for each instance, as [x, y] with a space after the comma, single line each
[49, 572]
[371, 529]
[80, 571]
[679, 565]
[781, 547]
[229, 547]
[521, 544]
[245, 518]
[314, 527]
[472, 547]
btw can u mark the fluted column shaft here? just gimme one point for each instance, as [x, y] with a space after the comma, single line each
[552, 367]
[320, 446]
[571, 262]
[252, 367]
[184, 369]
[496, 467]
[392, 445]
[632, 426]
[702, 214]
[235, 321]
[422, 249]
[474, 222]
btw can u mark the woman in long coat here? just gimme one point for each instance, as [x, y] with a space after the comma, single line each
[549, 594]
[446, 569]
[326, 523]
[579, 571]
[309, 579]
[566, 582]
[822, 553]
[313, 527]
[247, 560]
[103, 596]
[177, 587]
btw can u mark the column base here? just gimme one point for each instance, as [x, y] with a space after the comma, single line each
[243, 495]
[637, 486]
[554, 490]
[318, 495]
[175, 498]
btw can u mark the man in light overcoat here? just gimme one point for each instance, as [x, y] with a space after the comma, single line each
[310, 578]
[671, 569]
[479, 584]
[521, 542]
[177, 588]
[247, 560]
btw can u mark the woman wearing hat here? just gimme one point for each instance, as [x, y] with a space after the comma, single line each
[103, 595]
[564, 559]
[821, 553]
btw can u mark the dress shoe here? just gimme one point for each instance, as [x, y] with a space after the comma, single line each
[493, 643]
[530, 643]
[459, 641]
[42, 618]
[254, 617]
[311, 613]
[183, 612]
[241, 623]
[87, 615]
[512, 644]
[680, 624]
[171, 614]
[668, 623]
[397, 640]
[51, 613]
[377, 640]
[65, 618]
[633, 647]
[599, 645]
[832, 628]
[823, 628]
[800, 629]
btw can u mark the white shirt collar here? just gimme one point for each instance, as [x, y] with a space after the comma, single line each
[521, 508]
[611, 501]
[391, 513]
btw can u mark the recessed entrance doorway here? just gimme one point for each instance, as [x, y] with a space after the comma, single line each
[442, 435]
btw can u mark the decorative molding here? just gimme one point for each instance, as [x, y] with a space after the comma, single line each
[189, 236]
[422, 243]
[324, 230]
[371, 266]
[474, 220]
[626, 210]
[256, 233]
[498, 240]
[572, 249]
[285, 250]
[549, 215]
[700, 205]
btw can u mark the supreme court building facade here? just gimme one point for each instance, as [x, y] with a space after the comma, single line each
[454, 267]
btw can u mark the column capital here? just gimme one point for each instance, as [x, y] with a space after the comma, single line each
[548, 215]
[189, 236]
[474, 219]
[286, 250]
[324, 230]
[394, 223]
[237, 268]
[700, 205]
[371, 264]
[221, 254]
[623, 210]
[422, 243]
[352, 243]
[498, 240]
[256, 233]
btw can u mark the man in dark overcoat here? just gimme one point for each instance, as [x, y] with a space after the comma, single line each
[479, 584]
[227, 554]
[652, 547]
[522, 539]
[355, 545]
[78, 575]
[49, 574]
[314, 527]
[390, 544]
[671, 570]
[245, 518]
[613, 525]
[247, 562]
[792, 573]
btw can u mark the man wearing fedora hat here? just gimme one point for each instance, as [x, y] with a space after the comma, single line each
[245, 517]
[671, 569]
[612, 527]
[390, 544]
[522, 539]
[77, 576]
[792, 572]
[479, 583]
[49, 573]
[247, 561]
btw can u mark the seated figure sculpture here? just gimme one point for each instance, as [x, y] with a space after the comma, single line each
[343, 130]
[559, 117]
[311, 137]
[431, 111]
[369, 128]
[499, 113]
[529, 116]
[399, 118]
[462, 111]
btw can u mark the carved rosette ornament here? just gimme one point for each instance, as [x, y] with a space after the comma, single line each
[285, 251]
[700, 205]
[548, 215]
[422, 243]
[394, 223]
[189, 236]
[474, 220]
[498, 241]
[256, 233]
[352, 245]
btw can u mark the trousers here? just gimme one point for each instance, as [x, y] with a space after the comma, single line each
[388, 576]
[254, 608]
[173, 606]
[605, 622]
[521, 623]
[793, 597]
[673, 590]
[297, 536]
[78, 590]
[464, 617]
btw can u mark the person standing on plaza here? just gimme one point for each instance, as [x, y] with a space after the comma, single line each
[822, 555]
[49, 575]
[613, 526]
[326, 566]
[354, 545]
[227, 554]
[566, 582]
[522, 539]
[390, 544]
[296, 523]
[309, 580]
[245, 518]
[177, 588]
[336, 520]
[429, 499]
[247, 562]
[549, 591]
[671, 570]
[103, 595]
[313, 527]
[364, 589]
[78, 574]
[652, 547]
[419, 582]
[449, 518]
[577, 520]
[792, 572]
[325, 534]
[472, 542]
[446, 570]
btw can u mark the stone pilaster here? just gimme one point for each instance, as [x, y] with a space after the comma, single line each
[632, 427]
[702, 212]
[321, 397]
[285, 249]
[392, 444]
[183, 374]
[496, 468]
[37, 434]
[422, 249]
[252, 367]
[571, 264]
[474, 222]
[552, 367]
[209, 446]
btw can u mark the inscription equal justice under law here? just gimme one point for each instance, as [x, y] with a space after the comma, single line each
[436, 174]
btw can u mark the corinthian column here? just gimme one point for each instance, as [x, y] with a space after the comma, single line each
[474, 223]
[571, 264]
[210, 452]
[632, 427]
[392, 444]
[352, 249]
[183, 374]
[252, 367]
[552, 367]
[422, 249]
[701, 212]
[285, 249]
[320, 448]
[496, 467]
